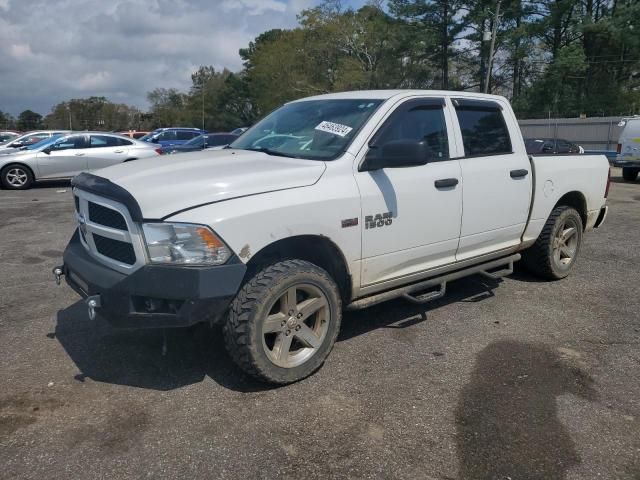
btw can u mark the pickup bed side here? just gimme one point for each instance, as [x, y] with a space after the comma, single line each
[580, 179]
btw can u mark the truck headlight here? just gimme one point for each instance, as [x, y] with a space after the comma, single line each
[184, 243]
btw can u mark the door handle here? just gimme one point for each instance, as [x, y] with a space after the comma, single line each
[446, 182]
[118, 151]
[519, 173]
[78, 154]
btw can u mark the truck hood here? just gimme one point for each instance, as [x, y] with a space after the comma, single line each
[168, 184]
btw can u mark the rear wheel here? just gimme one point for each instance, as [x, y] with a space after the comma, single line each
[16, 177]
[554, 253]
[630, 174]
[284, 321]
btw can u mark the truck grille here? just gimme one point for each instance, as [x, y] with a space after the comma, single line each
[108, 232]
[106, 216]
[121, 251]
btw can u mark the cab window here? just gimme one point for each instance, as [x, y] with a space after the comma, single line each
[419, 121]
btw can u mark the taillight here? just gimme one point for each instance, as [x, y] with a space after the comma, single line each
[619, 148]
[159, 151]
[606, 190]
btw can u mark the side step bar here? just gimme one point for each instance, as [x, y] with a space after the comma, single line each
[504, 266]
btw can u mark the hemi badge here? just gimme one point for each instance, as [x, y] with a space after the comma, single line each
[349, 222]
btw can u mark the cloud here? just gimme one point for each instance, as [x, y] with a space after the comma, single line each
[53, 50]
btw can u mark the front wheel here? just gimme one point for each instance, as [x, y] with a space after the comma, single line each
[16, 177]
[630, 174]
[554, 253]
[284, 321]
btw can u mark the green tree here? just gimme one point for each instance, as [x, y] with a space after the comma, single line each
[6, 121]
[29, 120]
[442, 20]
[93, 113]
[168, 108]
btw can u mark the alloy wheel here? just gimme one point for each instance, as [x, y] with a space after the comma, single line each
[296, 325]
[565, 243]
[16, 177]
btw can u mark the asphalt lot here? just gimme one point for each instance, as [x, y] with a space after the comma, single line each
[518, 379]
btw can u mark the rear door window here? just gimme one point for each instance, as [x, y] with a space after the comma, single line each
[98, 141]
[484, 131]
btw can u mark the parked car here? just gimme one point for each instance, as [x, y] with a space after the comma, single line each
[134, 134]
[341, 200]
[207, 140]
[239, 131]
[67, 155]
[545, 146]
[29, 139]
[7, 136]
[610, 154]
[629, 149]
[166, 137]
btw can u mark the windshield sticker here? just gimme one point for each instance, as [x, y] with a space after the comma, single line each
[335, 128]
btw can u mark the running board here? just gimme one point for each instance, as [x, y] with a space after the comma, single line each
[426, 297]
[508, 270]
[406, 292]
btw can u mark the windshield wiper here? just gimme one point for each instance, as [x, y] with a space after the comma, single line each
[268, 151]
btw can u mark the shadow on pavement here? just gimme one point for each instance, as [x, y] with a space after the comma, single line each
[134, 357]
[507, 419]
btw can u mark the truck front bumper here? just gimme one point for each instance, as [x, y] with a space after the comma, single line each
[154, 296]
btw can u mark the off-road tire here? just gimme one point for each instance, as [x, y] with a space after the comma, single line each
[630, 174]
[243, 331]
[539, 258]
[13, 167]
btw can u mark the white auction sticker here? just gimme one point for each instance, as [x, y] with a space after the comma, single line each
[335, 128]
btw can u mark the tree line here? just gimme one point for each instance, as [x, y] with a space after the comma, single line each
[560, 58]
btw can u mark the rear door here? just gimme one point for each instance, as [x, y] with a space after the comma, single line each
[106, 150]
[411, 216]
[497, 177]
[66, 158]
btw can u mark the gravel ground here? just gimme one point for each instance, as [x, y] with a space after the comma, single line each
[515, 379]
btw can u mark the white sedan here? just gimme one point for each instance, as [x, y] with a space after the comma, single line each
[67, 155]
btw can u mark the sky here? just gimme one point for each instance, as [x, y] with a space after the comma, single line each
[54, 50]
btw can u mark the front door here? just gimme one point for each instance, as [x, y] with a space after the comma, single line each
[497, 179]
[66, 158]
[411, 216]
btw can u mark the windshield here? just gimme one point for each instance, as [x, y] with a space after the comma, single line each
[43, 143]
[196, 141]
[148, 136]
[311, 129]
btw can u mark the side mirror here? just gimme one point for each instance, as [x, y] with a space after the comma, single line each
[396, 154]
[155, 140]
[47, 150]
[547, 149]
[15, 145]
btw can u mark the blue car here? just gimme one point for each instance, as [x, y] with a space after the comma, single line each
[166, 137]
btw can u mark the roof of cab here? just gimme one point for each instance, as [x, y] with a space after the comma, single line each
[387, 94]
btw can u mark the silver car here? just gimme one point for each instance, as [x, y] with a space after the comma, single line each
[67, 155]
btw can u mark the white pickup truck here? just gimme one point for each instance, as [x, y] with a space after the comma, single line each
[332, 202]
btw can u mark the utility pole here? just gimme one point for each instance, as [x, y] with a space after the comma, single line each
[202, 87]
[494, 32]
